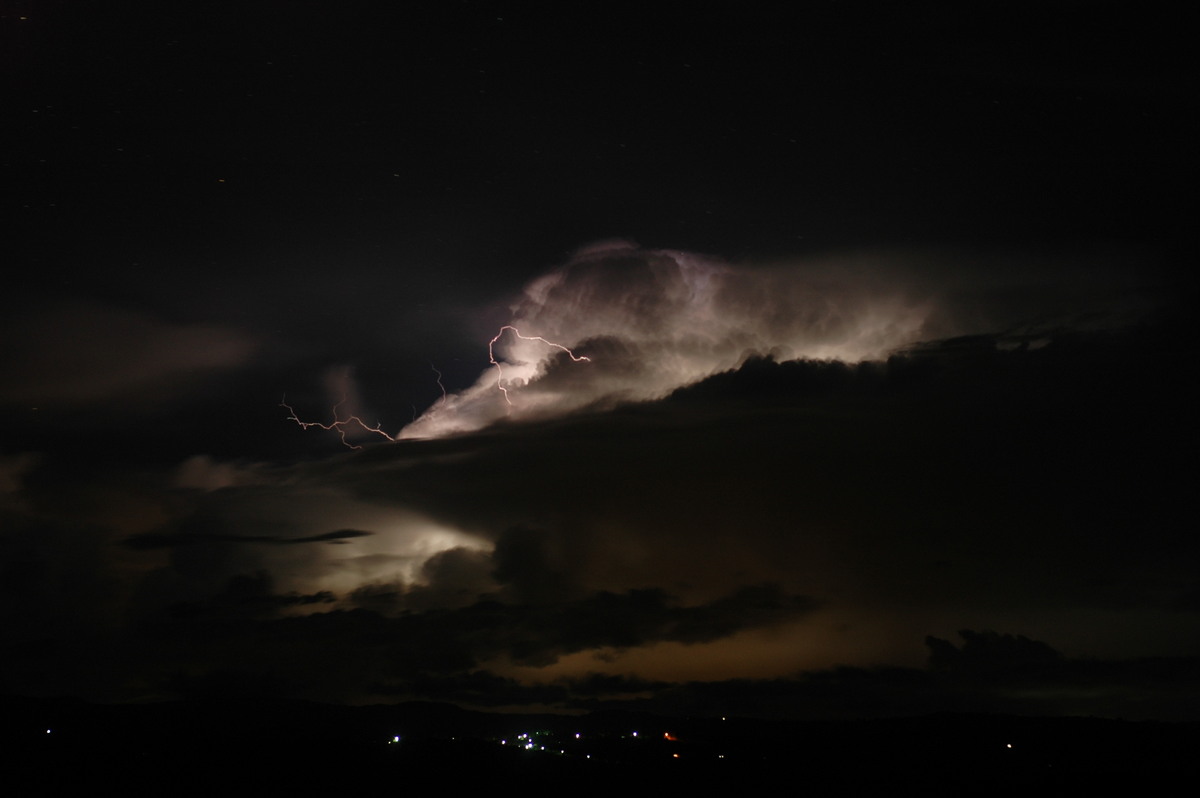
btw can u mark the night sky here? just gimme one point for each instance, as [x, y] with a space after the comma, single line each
[843, 356]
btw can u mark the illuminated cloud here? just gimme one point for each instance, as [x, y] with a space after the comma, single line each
[651, 321]
[309, 538]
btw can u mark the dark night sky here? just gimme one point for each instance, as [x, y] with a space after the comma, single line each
[886, 312]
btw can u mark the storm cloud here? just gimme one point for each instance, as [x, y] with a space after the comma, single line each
[651, 321]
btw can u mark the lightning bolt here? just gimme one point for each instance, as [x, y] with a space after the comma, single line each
[338, 424]
[516, 332]
[341, 424]
[439, 381]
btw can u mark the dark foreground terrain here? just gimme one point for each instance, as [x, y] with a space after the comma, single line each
[56, 746]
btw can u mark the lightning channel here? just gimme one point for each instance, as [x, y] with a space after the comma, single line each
[439, 382]
[517, 333]
[341, 425]
[338, 424]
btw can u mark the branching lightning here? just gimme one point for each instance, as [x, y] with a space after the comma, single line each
[338, 424]
[341, 424]
[516, 332]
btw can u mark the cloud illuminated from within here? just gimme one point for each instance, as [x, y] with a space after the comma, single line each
[652, 321]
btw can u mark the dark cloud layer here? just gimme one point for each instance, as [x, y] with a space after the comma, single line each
[1001, 481]
[67, 353]
[153, 540]
[991, 672]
